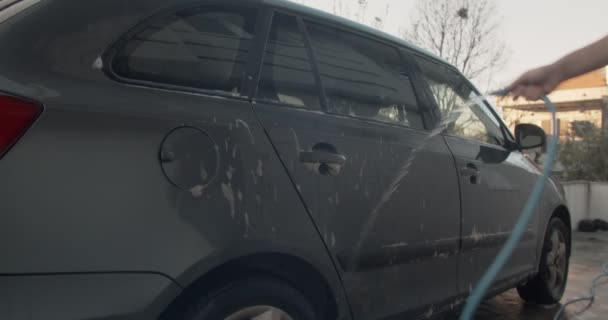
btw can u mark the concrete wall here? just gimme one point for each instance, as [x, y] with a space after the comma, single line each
[599, 201]
[587, 200]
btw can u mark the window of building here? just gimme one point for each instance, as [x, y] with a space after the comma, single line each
[563, 128]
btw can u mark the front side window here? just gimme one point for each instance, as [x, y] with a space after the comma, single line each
[287, 75]
[204, 48]
[458, 102]
[364, 78]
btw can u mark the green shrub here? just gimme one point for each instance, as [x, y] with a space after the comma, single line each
[585, 154]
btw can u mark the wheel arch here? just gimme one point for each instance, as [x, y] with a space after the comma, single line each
[560, 211]
[285, 267]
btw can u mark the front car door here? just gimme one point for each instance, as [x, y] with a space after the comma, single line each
[495, 181]
[347, 135]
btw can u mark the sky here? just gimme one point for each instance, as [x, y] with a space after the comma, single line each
[536, 32]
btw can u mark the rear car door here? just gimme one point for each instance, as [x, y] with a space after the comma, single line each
[343, 116]
[495, 181]
[148, 180]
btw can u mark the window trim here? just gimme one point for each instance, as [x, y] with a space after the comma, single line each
[11, 8]
[425, 101]
[112, 51]
[315, 65]
[374, 121]
[260, 54]
[254, 70]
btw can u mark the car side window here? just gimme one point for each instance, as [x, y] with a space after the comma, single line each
[204, 48]
[287, 75]
[470, 118]
[364, 78]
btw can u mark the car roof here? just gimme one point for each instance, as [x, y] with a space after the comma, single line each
[305, 10]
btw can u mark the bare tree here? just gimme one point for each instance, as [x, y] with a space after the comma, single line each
[339, 9]
[356, 10]
[362, 10]
[463, 32]
[513, 117]
[378, 23]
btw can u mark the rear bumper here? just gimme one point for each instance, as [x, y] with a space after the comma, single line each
[85, 296]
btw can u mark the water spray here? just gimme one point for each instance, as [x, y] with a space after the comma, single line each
[590, 297]
[505, 253]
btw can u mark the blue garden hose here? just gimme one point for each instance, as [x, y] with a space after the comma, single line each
[507, 250]
[590, 298]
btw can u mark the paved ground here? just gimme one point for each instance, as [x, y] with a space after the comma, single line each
[590, 251]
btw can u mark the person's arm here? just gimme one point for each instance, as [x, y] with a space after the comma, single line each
[537, 82]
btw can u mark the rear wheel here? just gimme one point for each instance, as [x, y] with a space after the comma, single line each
[259, 298]
[548, 286]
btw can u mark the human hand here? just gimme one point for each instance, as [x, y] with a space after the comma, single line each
[535, 83]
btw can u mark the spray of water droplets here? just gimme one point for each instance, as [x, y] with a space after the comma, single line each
[451, 117]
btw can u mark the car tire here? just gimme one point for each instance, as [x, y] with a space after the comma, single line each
[252, 298]
[548, 286]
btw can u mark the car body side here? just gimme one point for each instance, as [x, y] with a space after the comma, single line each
[86, 206]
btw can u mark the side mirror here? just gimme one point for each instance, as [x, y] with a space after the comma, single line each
[529, 136]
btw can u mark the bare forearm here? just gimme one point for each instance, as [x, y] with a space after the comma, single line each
[540, 81]
[586, 59]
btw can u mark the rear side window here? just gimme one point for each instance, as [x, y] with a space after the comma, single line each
[364, 78]
[204, 48]
[287, 75]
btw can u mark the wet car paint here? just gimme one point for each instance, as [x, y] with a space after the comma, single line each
[118, 210]
[114, 210]
[589, 252]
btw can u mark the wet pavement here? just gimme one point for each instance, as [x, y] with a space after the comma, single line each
[589, 252]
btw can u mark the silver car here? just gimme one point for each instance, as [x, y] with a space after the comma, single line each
[251, 159]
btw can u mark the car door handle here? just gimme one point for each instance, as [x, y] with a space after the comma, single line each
[471, 172]
[326, 157]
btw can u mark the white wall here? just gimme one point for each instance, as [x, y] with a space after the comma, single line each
[576, 196]
[599, 201]
[587, 200]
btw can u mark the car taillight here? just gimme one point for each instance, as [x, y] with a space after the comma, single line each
[16, 116]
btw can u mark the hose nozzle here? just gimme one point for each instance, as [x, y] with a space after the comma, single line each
[500, 93]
